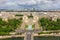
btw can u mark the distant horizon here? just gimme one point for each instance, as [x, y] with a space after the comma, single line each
[3, 10]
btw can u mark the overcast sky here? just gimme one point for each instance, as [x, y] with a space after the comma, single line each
[38, 4]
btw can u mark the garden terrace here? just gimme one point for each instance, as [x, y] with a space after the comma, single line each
[48, 24]
[10, 26]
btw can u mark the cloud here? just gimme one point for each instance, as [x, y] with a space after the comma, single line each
[39, 4]
[24, 2]
[49, 4]
[10, 4]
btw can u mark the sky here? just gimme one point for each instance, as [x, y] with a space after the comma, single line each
[37, 4]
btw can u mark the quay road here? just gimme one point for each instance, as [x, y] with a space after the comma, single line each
[28, 36]
[29, 33]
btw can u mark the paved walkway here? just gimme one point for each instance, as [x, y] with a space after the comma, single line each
[10, 36]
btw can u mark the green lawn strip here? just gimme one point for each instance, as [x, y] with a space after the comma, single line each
[4, 33]
[14, 38]
[45, 33]
[19, 15]
[30, 16]
[26, 26]
[49, 32]
[33, 26]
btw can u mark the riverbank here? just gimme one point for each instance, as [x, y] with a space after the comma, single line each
[47, 38]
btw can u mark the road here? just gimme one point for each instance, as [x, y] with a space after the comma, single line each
[28, 33]
[28, 36]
